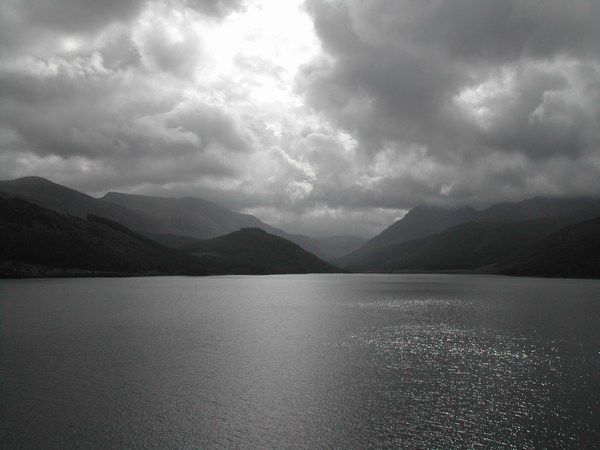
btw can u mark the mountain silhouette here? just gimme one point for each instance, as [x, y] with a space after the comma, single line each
[48, 227]
[171, 221]
[36, 241]
[573, 251]
[261, 253]
[476, 239]
[421, 221]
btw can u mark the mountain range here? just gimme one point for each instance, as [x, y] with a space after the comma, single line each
[171, 221]
[259, 252]
[55, 226]
[573, 251]
[426, 220]
[432, 238]
[36, 241]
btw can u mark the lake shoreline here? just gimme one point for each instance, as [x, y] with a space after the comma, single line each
[31, 271]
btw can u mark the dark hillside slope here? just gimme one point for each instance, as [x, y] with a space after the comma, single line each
[202, 219]
[424, 221]
[538, 207]
[421, 221]
[32, 235]
[474, 245]
[573, 251]
[171, 221]
[263, 252]
[55, 197]
[188, 216]
[464, 247]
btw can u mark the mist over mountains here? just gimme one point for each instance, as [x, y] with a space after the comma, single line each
[47, 224]
[464, 239]
[168, 220]
[319, 117]
[38, 242]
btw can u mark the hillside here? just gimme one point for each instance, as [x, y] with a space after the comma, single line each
[193, 217]
[172, 221]
[262, 253]
[35, 241]
[573, 251]
[199, 218]
[423, 222]
[475, 245]
[538, 207]
[56, 197]
[464, 247]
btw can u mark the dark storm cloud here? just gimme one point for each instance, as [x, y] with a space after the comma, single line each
[125, 124]
[473, 82]
[211, 125]
[112, 111]
[34, 23]
[73, 15]
[84, 16]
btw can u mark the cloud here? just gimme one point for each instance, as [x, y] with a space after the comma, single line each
[117, 110]
[500, 96]
[215, 7]
[322, 116]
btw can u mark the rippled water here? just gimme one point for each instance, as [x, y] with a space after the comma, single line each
[412, 361]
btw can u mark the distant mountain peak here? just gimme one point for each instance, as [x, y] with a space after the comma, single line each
[421, 221]
[32, 181]
[34, 186]
[261, 252]
[252, 230]
[33, 178]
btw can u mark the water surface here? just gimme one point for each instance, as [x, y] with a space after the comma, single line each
[406, 361]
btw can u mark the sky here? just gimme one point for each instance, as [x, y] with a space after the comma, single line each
[319, 116]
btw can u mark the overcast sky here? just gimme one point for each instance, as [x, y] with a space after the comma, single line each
[319, 116]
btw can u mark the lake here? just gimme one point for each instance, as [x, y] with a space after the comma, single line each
[412, 361]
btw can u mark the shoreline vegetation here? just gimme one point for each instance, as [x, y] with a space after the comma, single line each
[10, 270]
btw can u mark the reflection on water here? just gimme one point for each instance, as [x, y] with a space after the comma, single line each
[407, 361]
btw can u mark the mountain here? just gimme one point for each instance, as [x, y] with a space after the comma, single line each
[36, 241]
[62, 199]
[426, 221]
[262, 253]
[464, 247]
[538, 207]
[199, 218]
[188, 216]
[573, 251]
[421, 221]
[475, 245]
[172, 221]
